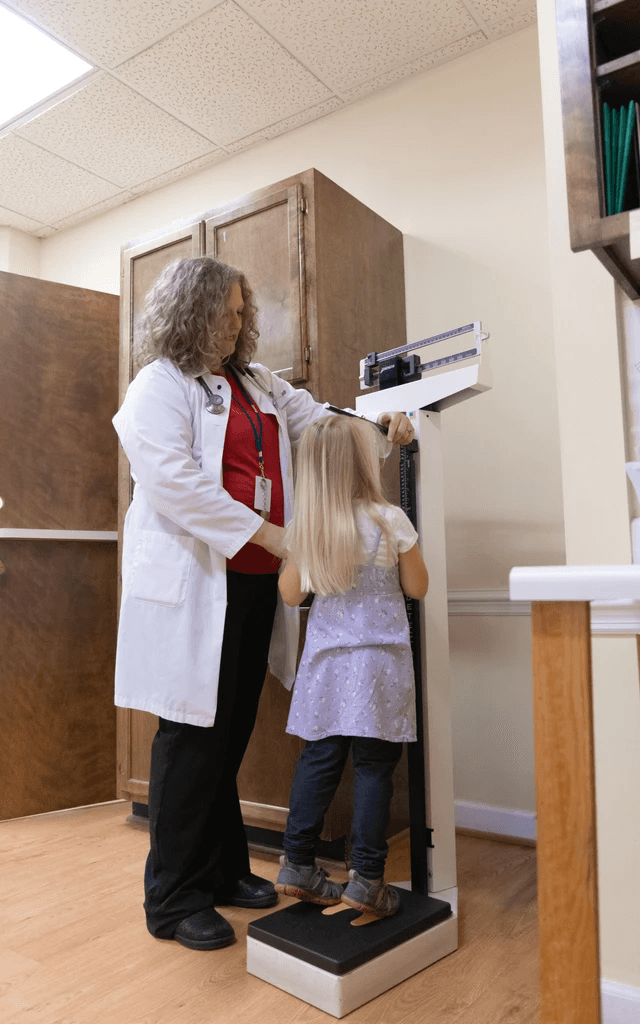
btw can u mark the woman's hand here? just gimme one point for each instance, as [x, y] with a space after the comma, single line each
[271, 538]
[399, 428]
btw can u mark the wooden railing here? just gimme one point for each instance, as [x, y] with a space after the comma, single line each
[565, 778]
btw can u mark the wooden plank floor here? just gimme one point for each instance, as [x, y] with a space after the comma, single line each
[74, 948]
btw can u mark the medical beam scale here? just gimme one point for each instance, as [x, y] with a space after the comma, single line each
[317, 954]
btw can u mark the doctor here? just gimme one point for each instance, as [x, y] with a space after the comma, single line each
[208, 436]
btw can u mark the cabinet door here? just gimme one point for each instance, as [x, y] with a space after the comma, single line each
[142, 262]
[58, 392]
[264, 239]
[266, 773]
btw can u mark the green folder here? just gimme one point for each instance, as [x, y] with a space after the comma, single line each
[629, 124]
[622, 124]
[615, 120]
[614, 156]
[606, 131]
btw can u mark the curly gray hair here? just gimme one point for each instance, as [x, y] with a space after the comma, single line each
[186, 309]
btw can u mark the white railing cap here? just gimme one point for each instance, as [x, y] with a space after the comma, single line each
[574, 583]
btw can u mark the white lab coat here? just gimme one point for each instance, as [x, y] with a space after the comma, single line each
[179, 530]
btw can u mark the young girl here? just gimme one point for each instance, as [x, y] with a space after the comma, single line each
[354, 689]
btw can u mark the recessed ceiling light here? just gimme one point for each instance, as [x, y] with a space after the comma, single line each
[33, 66]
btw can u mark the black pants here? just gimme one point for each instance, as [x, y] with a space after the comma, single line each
[198, 842]
[318, 773]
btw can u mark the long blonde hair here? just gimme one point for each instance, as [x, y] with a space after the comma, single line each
[338, 471]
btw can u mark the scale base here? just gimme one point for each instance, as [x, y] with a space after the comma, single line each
[327, 962]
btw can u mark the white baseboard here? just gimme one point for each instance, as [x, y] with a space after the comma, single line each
[620, 1003]
[501, 821]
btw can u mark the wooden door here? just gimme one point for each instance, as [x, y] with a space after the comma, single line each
[264, 238]
[142, 262]
[58, 392]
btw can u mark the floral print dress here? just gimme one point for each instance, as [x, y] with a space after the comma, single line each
[356, 672]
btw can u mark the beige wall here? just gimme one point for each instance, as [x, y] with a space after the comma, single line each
[19, 252]
[596, 512]
[492, 710]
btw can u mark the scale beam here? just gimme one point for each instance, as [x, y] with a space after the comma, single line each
[407, 378]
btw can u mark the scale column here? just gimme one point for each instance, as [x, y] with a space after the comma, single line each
[434, 630]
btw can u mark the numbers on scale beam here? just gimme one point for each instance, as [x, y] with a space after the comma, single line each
[402, 349]
[455, 358]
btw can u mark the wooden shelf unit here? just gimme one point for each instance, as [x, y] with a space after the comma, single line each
[617, 24]
[599, 56]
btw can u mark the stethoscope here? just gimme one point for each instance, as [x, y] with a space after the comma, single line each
[215, 403]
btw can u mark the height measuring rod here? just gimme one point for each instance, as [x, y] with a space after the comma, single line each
[422, 380]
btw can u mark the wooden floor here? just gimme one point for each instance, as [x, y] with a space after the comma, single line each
[74, 948]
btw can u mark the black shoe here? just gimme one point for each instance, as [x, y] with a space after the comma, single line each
[250, 891]
[205, 930]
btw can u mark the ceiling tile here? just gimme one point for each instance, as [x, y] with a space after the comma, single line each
[179, 172]
[346, 41]
[42, 185]
[491, 10]
[92, 211]
[224, 75]
[444, 53]
[111, 130]
[109, 31]
[9, 219]
[512, 24]
[287, 125]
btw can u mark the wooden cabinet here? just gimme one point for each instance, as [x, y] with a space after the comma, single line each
[328, 275]
[599, 56]
[264, 237]
[58, 393]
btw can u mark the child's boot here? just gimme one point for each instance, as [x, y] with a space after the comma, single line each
[307, 882]
[370, 895]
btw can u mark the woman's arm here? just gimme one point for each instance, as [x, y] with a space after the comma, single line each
[301, 409]
[156, 432]
[271, 538]
[289, 585]
[414, 578]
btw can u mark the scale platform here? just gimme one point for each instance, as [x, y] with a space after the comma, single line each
[326, 961]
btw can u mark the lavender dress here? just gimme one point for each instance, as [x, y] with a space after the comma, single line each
[356, 673]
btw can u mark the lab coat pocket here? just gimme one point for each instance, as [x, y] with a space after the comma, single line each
[161, 566]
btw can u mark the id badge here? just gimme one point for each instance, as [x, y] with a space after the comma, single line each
[262, 500]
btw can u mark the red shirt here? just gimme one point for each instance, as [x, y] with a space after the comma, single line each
[241, 466]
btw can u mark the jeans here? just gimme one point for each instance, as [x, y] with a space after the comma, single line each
[317, 775]
[198, 842]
